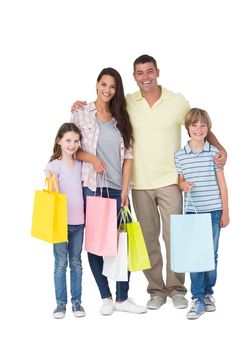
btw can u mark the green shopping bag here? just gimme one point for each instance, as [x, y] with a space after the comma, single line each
[138, 258]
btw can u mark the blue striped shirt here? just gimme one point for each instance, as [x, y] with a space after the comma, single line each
[200, 169]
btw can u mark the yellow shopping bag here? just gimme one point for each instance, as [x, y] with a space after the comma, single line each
[49, 219]
[138, 258]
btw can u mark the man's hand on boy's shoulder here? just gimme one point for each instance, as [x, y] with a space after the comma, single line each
[220, 159]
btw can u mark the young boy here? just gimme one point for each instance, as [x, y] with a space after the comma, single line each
[198, 174]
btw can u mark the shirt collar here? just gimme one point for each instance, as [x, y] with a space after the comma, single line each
[206, 148]
[92, 108]
[165, 95]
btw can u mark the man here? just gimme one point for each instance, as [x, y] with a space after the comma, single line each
[156, 115]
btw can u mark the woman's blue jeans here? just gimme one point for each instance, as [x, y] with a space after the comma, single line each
[96, 262]
[64, 252]
[202, 283]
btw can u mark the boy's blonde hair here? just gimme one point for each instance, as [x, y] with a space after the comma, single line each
[196, 115]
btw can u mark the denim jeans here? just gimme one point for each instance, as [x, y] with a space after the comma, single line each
[202, 283]
[71, 251]
[96, 262]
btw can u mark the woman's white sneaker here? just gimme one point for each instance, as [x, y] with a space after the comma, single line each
[130, 306]
[107, 307]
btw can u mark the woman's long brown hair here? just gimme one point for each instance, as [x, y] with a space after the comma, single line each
[118, 106]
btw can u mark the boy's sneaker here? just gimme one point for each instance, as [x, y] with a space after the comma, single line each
[209, 303]
[197, 309]
[60, 310]
[78, 310]
[107, 307]
[130, 306]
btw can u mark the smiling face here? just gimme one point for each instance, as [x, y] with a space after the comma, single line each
[106, 88]
[198, 130]
[69, 144]
[197, 123]
[146, 75]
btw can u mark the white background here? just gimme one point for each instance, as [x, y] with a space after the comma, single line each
[51, 54]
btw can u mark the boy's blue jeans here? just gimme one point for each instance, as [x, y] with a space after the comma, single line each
[96, 262]
[64, 252]
[202, 283]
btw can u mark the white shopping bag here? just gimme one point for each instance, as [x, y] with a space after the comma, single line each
[116, 267]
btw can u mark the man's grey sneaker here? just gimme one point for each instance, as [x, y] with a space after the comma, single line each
[78, 310]
[155, 302]
[197, 309]
[60, 310]
[209, 303]
[179, 301]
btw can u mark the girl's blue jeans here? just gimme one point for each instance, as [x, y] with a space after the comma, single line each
[69, 252]
[96, 262]
[202, 283]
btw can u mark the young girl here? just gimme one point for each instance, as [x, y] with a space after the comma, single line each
[67, 172]
[107, 139]
[199, 174]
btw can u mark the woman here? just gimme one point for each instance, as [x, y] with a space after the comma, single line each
[106, 145]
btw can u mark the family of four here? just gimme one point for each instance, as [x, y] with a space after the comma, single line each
[138, 137]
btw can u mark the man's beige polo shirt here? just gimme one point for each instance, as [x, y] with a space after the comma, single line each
[157, 137]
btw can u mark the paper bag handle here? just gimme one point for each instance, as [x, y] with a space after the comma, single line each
[189, 199]
[49, 181]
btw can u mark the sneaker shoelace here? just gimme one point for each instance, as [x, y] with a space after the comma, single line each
[60, 307]
[77, 306]
[130, 300]
[179, 296]
[195, 305]
[209, 299]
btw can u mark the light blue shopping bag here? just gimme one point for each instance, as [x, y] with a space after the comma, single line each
[192, 248]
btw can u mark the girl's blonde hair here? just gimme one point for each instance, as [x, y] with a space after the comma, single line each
[196, 115]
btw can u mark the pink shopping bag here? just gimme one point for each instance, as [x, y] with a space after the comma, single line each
[101, 226]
